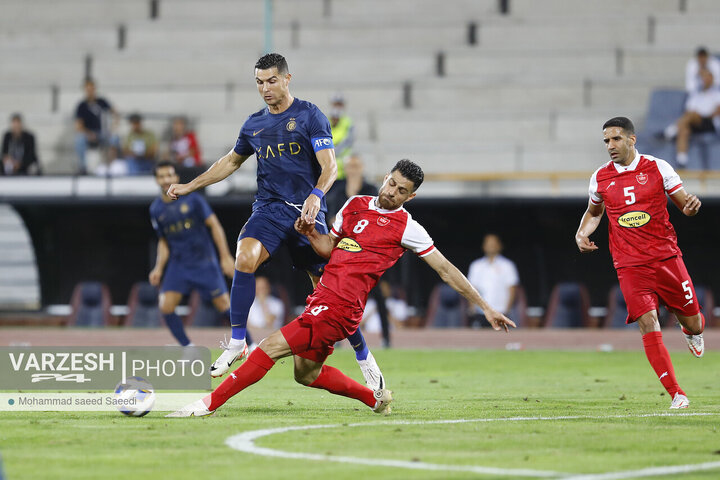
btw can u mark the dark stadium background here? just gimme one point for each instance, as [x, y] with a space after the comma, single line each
[111, 240]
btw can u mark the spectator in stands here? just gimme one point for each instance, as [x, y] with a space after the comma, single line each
[184, 150]
[140, 147]
[18, 150]
[343, 132]
[701, 61]
[702, 114]
[266, 311]
[113, 165]
[495, 277]
[94, 121]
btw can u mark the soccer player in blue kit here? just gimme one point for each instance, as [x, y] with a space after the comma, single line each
[292, 142]
[186, 258]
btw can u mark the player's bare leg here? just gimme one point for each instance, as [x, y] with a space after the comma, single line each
[249, 256]
[366, 361]
[692, 328]
[659, 358]
[167, 303]
[684, 130]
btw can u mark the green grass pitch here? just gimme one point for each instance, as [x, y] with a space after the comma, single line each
[610, 390]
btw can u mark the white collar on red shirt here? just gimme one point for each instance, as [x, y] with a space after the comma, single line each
[633, 165]
[374, 206]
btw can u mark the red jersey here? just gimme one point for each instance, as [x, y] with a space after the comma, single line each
[636, 204]
[372, 239]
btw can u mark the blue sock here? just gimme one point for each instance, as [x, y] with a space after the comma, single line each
[242, 296]
[248, 338]
[174, 323]
[357, 341]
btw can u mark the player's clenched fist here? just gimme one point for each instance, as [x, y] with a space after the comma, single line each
[177, 190]
[584, 244]
[692, 206]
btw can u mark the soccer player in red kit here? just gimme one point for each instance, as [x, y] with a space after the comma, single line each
[369, 235]
[632, 189]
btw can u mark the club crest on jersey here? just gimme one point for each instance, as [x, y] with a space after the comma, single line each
[184, 208]
[349, 245]
[383, 221]
[642, 178]
[634, 219]
[291, 125]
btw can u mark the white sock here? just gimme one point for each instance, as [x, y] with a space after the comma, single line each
[670, 131]
[234, 342]
[682, 158]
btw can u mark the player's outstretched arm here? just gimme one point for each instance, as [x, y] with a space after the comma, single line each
[588, 224]
[218, 171]
[227, 262]
[323, 244]
[455, 278]
[688, 204]
[163, 254]
[328, 174]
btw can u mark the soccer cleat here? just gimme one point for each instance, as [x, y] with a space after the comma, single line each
[679, 401]
[373, 376]
[227, 358]
[383, 398]
[195, 409]
[696, 344]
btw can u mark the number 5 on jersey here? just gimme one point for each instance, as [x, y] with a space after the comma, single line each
[629, 193]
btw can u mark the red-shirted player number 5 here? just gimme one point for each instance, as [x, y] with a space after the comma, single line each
[629, 193]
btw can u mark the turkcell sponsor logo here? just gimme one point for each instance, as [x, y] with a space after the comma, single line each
[634, 219]
[101, 368]
[320, 143]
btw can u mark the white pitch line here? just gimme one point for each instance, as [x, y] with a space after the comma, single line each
[245, 442]
[648, 472]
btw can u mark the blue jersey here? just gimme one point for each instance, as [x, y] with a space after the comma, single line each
[182, 224]
[285, 146]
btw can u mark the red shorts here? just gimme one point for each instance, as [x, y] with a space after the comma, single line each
[668, 281]
[325, 321]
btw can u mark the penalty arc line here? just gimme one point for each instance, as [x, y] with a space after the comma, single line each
[245, 442]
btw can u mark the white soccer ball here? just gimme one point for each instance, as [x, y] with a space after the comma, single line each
[135, 397]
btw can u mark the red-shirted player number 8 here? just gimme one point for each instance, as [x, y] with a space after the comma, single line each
[629, 193]
[360, 226]
[686, 287]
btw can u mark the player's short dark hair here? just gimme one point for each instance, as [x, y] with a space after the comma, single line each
[411, 171]
[701, 52]
[272, 60]
[622, 122]
[163, 164]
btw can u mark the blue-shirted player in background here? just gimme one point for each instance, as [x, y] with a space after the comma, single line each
[292, 142]
[188, 234]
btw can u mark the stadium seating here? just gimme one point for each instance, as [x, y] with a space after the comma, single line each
[446, 308]
[404, 76]
[568, 306]
[90, 304]
[202, 313]
[143, 309]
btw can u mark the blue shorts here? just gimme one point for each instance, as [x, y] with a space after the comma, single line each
[273, 225]
[207, 279]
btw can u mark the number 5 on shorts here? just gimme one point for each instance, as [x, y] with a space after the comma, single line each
[686, 287]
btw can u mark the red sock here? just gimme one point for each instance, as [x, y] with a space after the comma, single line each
[659, 359]
[702, 318]
[334, 381]
[252, 370]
